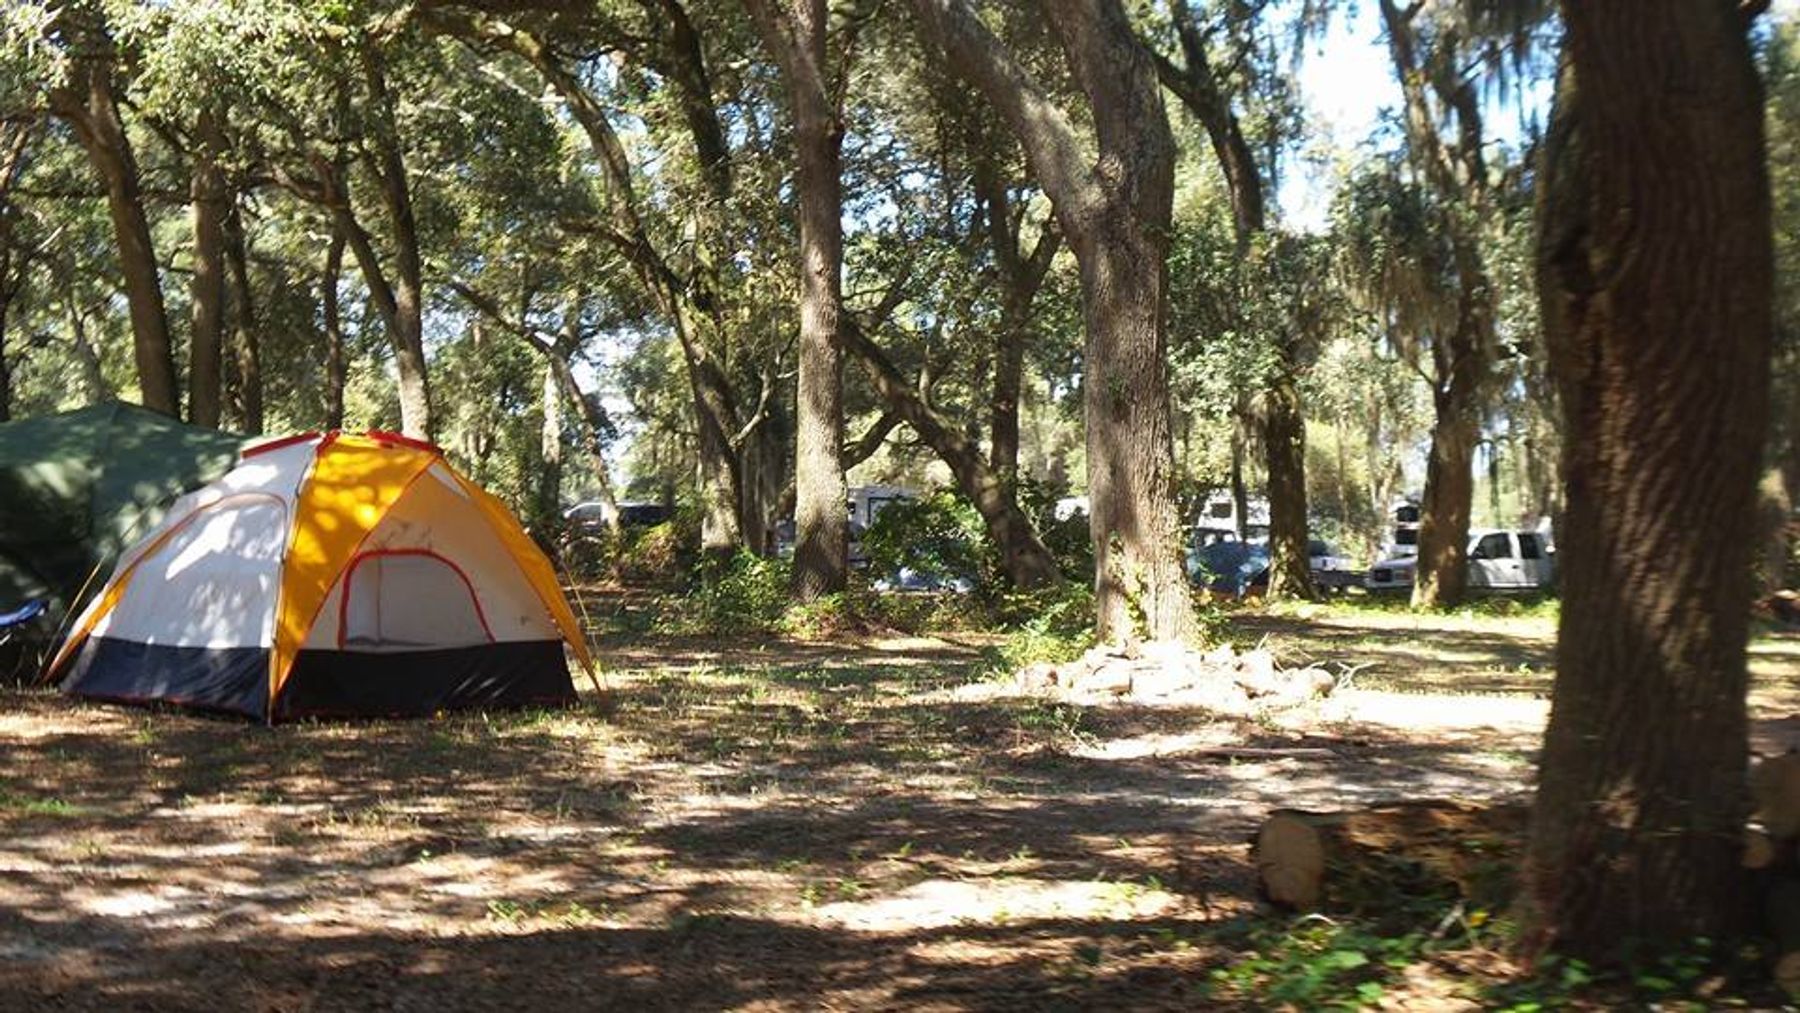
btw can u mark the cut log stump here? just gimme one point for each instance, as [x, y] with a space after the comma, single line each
[1775, 785]
[1781, 906]
[1309, 861]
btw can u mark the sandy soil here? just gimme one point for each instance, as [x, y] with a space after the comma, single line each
[743, 824]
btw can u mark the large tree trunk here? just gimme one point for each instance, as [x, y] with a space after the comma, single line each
[1140, 582]
[1442, 576]
[207, 299]
[1284, 449]
[388, 165]
[821, 527]
[1655, 275]
[336, 365]
[1115, 216]
[247, 343]
[794, 31]
[91, 109]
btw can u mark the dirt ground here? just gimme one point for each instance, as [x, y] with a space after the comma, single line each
[745, 824]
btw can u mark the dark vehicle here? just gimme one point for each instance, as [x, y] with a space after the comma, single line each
[591, 515]
[1242, 568]
[1229, 568]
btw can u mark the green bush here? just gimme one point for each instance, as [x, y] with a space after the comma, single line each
[940, 534]
[1053, 625]
[749, 594]
[662, 553]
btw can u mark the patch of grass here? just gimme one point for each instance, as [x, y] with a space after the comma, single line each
[1316, 964]
[29, 805]
[1349, 962]
[569, 913]
[1479, 605]
[1058, 723]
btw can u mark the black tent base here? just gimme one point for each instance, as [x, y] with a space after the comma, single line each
[326, 684]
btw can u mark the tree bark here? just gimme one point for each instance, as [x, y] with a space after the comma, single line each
[247, 343]
[1284, 449]
[388, 165]
[90, 108]
[336, 366]
[207, 299]
[794, 31]
[1115, 215]
[1458, 173]
[1655, 279]
[1442, 575]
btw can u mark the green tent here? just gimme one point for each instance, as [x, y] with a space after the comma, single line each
[77, 488]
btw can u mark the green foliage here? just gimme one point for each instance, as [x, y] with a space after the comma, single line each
[748, 594]
[662, 553]
[31, 805]
[1053, 625]
[940, 534]
[1317, 964]
[1697, 976]
[1349, 962]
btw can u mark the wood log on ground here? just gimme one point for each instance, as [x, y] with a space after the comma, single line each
[1362, 859]
[1775, 785]
[1761, 851]
[1781, 908]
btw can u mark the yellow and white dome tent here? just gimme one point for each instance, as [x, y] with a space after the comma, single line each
[330, 575]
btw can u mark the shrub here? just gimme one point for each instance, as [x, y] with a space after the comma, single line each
[747, 595]
[662, 553]
[1053, 625]
[941, 535]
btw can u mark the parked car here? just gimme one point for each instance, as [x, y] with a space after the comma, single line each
[1228, 567]
[1498, 561]
[1238, 568]
[592, 515]
[913, 579]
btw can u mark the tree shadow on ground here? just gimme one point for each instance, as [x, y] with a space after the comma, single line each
[744, 824]
[823, 826]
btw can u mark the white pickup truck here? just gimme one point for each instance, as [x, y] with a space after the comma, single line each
[1498, 561]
